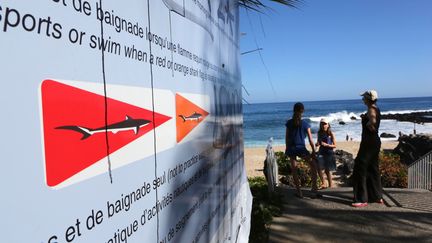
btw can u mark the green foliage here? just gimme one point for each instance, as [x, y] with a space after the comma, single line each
[393, 172]
[283, 163]
[303, 170]
[265, 205]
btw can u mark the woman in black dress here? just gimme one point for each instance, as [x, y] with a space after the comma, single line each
[366, 176]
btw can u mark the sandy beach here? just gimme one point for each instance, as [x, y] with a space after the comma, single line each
[254, 157]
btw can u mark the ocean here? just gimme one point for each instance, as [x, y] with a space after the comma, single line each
[264, 121]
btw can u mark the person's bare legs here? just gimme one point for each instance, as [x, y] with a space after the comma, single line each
[313, 171]
[329, 178]
[295, 176]
[321, 177]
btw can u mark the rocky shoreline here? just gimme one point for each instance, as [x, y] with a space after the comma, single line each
[416, 117]
[410, 148]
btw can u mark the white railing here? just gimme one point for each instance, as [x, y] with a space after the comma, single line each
[420, 173]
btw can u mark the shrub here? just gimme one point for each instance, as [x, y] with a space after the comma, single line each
[265, 205]
[283, 163]
[303, 170]
[393, 172]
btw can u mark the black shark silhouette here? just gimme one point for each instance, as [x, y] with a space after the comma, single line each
[128, 124]
[194, 117]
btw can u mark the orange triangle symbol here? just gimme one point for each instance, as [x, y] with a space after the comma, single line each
[188, 116]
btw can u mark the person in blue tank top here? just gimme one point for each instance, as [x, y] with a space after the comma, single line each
[326, 159]
[296, 131]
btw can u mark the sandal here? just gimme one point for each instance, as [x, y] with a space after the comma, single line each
[359, 204]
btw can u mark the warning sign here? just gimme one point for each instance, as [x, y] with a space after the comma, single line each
[122, 122]
[188, 116]
[78, 133]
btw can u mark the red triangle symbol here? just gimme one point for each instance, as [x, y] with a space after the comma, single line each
[188, 116]
[75, 131]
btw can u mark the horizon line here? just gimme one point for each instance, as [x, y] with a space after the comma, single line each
[274, 102]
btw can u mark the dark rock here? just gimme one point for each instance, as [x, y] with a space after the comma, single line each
[416, 117]
[346, 160]
[387, 135]
[413, 147]
[287, 180]
[353, 118]
[345, 169]
[342, 123]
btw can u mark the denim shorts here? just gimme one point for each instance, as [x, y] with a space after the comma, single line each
[327, 161]
[297, 151]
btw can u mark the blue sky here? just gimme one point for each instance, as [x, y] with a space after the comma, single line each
[334, 49]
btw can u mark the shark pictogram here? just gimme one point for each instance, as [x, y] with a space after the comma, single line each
[186, 123]
[194, 117]
[128, 124]
[79, 124]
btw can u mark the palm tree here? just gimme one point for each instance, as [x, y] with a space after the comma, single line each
[257, 5]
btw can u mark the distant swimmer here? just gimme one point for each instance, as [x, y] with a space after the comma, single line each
[194, 117]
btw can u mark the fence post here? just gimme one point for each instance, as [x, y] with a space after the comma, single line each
[271, 166]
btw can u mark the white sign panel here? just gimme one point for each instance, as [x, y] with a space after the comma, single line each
[122, 122]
